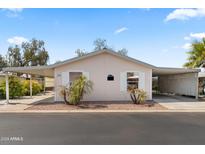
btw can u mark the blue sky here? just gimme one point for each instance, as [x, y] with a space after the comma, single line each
[158, 36]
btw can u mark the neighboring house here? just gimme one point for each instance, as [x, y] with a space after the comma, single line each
[49, 83]
[113, 73]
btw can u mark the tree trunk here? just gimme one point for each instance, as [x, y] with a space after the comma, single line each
[133, 98]
[65, 98]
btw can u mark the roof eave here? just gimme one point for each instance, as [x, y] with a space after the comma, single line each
[99, 52]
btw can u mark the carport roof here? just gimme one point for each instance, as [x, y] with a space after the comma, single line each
[35, 70]
[170, 71]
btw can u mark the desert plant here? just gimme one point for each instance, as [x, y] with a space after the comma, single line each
[77, 90]
[138, 96]
[36, 87]
[65, 93]
[15, 87]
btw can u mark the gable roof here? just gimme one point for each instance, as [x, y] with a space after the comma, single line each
[49, 70]
[109, 51]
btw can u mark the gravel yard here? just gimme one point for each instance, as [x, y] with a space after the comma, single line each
[97, 106]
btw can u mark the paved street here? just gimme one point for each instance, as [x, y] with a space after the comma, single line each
[102, 128]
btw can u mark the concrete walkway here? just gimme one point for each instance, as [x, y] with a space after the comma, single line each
[180, 102]
[25, 102]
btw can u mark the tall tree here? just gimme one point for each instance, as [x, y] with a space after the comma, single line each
[34, 53]
[80, 52]
[14, 56]
[3, 62]
[100, 44]
[196, 54]
[123, 52]
[42, 57]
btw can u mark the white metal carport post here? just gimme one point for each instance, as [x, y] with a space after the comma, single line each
[7, 88]
[197, 86]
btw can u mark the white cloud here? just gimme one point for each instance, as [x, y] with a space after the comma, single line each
[13, 12]
[185, 14]
[17, 40]
[120, 30]
[186, 46]
[192, 36]
[195, 36]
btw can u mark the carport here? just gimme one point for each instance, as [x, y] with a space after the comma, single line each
[46, 71]
[179, 81]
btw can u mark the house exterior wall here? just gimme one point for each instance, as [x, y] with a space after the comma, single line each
[97, 68]
[49, 82]
[183, 84]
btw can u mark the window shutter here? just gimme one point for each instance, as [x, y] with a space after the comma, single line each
[123, 81]
[65, 78]
[142, 80]
[86, 74]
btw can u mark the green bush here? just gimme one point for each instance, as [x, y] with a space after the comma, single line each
[15, 88]
[18, 88]
[2, 95]
[77, 90]
[36, 87]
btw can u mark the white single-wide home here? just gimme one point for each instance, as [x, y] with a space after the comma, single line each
[112, 74]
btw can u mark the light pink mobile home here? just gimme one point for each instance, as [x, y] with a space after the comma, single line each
[112, 73]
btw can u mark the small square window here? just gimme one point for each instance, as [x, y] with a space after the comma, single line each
[110, 77]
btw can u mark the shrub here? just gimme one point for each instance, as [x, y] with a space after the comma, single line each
[18, 87]
[2, 93]
[77, 90]
[15, 87]
[36, 87]
[138, 96]
[65, 93]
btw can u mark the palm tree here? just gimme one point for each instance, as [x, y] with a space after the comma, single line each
[77, 90]
[196, 54]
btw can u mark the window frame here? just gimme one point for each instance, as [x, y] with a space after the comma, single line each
[128, 83]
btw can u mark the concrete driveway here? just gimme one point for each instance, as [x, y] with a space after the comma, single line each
[179, 102]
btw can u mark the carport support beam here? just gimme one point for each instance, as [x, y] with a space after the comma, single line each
[30, 87]
[7, 88]
[197, 86]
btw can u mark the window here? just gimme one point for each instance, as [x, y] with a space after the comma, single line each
[110, 77]
[132, 80]
[74, 76]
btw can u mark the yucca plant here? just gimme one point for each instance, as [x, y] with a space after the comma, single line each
[77, 90]
[65, 93]
[138, 96]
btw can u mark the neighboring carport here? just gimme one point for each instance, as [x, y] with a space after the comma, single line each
[180, 81]
[45, 71]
